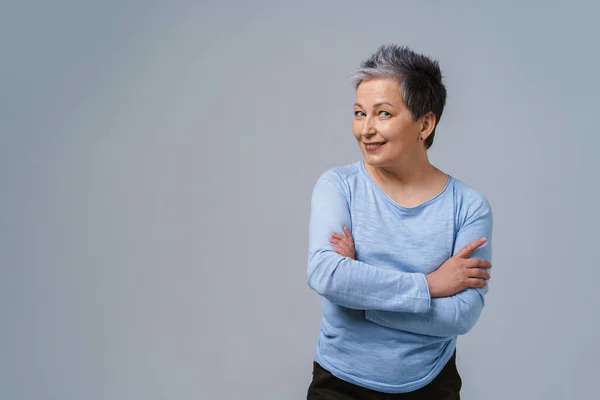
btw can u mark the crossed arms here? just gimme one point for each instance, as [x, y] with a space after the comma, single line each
[445, 303]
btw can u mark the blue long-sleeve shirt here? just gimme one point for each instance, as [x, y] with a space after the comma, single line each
[380, 327]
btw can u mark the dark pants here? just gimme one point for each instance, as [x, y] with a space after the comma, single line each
[325, 386]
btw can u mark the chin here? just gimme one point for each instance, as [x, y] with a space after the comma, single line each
[376, 161]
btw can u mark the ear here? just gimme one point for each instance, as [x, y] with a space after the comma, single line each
[426, 125]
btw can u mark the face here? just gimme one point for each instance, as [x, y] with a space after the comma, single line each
[383, 126]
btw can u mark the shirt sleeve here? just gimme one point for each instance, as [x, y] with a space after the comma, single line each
[347, 282]
[453, 315]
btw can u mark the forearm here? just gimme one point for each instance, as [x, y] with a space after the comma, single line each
[348, 282]
[358, 285]
[456, 314]
[447, 317]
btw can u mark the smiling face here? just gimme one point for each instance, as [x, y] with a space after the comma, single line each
[384, 126]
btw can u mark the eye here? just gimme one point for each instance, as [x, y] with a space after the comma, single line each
[359, 114]
[384, 114]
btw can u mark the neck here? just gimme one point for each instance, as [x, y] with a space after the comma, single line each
[407, 172]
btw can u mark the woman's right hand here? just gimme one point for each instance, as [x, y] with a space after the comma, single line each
[459, 272]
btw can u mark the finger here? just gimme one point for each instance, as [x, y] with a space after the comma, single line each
[341, 251]
[477, 273]
[345, 243]
[337, 239]
[342, 239]
[478, 263]
[337, 235]
[348, 233]
[466, 251]
[476, 283]
[345, 246]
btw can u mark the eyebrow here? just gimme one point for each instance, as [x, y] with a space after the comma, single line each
[376, 104]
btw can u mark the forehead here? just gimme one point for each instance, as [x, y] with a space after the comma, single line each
[377, 90]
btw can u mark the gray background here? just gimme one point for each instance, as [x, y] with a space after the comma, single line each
[156, 165]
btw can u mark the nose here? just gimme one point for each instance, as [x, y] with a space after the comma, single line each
[368, 127]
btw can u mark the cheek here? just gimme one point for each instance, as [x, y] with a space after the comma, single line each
[398, 132]
[356, 129]
[390, 131]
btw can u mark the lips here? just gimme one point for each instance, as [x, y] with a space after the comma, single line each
[373, 145]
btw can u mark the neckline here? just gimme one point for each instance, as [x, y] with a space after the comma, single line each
[364, 171]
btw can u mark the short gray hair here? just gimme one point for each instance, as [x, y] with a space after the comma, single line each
[419, 76]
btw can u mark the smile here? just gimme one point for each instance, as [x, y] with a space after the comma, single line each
[374, 146]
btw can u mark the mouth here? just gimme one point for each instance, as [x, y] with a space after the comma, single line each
[374, 146]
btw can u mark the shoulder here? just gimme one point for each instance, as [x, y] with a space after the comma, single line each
[470, 203]
[340, 177]
[468, 195]
[341, 173]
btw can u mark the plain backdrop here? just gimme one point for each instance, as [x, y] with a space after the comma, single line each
[156, 166]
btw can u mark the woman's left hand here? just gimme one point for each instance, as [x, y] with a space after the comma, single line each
[343, 244]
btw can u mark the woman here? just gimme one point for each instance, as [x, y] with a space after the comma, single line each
[398, 250]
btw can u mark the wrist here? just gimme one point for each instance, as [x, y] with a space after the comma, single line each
[431, 285]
